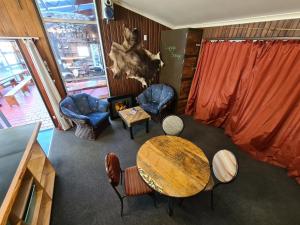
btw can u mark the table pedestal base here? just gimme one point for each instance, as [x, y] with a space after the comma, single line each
[170, 206]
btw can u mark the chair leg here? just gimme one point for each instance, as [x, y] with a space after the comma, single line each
[121, 206]
[120, 197]
[212, 199]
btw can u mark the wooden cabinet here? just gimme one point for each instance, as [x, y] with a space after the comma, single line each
[27, 197]
[179, 52]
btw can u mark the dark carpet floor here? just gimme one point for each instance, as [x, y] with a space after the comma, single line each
[261, 194]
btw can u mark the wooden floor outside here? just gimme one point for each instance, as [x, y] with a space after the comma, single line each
[31, 109]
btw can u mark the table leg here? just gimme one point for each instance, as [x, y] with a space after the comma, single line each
[170, 204]
[124, 125]
[4, 119]
[147, 126]
[131, 132]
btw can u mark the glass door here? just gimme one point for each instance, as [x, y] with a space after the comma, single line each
[20, 99]
[75, 39]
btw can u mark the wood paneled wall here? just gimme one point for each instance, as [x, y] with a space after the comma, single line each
[280, 28]
[112, 32]
[21, 18]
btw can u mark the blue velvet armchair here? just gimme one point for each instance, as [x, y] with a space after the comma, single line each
[88, 113]
[156, 98]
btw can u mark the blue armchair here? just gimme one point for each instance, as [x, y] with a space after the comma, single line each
[156, 98]
[88, 113]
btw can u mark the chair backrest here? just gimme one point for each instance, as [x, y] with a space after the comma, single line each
[68, 104]
[225, 166]
[113, 169]
[160, 92]
[172, 125]
[82, 103]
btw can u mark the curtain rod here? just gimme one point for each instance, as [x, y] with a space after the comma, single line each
[18, 38]
[251, 38]
[266, 28]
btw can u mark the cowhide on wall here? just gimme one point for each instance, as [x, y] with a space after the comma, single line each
[130, 59]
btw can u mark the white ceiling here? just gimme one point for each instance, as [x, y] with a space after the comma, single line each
[205, 13]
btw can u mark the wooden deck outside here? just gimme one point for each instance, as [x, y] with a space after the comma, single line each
[31, 109]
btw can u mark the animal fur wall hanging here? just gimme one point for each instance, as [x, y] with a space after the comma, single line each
[130, 59]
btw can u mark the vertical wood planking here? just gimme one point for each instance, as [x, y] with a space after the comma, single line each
[16, 21]
[113, 32]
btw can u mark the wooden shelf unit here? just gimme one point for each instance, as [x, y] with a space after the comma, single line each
[37, 210]
[36, 162]
[21, 201]
[34, 169]
[45, 210]
[48, 179]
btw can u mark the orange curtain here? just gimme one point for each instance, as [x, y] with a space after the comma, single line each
[252, 90]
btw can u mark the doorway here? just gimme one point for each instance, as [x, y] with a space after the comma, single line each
[20, 99]
[73, 32]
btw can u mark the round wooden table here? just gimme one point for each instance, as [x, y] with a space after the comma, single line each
[173, 166]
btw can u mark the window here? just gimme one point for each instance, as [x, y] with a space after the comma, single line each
[11, 60]
[74, 36]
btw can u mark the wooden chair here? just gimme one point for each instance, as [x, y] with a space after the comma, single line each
[225, 170]
[13, 82]
[133, 183]
[172, 125]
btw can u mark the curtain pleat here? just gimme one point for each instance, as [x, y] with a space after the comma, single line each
[252, 90]
[47, 82]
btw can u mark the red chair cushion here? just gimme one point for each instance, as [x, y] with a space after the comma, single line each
[113, 169]
[134, 184]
